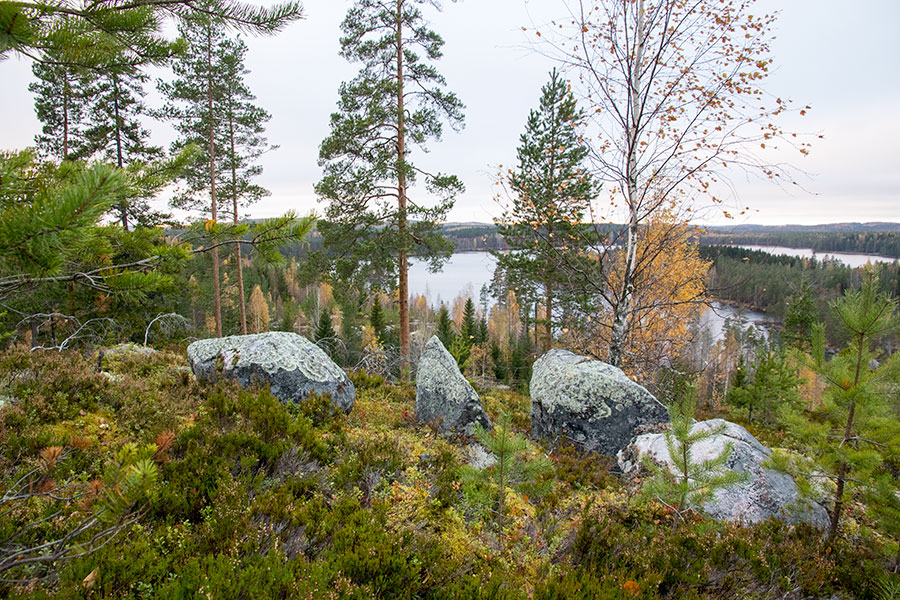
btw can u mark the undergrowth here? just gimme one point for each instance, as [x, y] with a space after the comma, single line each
[260, 499]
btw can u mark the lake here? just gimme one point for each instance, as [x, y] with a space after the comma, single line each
[713, 319]
[463, 271]
[849, 259]
[468, 271]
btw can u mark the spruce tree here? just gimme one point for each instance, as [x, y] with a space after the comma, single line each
[551, 191]
[800, 318]
[482, 331]
[397, 101]
[445, 326]
[324, 335]
[376, 319]
[469, 328]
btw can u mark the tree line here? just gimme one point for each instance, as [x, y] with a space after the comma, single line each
[882, 243]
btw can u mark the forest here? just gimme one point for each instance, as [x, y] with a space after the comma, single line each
[882, 243]
[131, 468]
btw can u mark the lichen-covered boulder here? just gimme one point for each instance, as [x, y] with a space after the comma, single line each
[293, 366]
[443, 396]
[589, 403]
[766, 493]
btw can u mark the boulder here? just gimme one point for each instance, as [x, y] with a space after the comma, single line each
[765, 494]
[129, 349]
[443, 396]
[588, 402]
[293, 366]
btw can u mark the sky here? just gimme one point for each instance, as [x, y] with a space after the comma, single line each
[841, 60]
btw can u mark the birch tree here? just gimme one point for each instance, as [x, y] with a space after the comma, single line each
[674, 90]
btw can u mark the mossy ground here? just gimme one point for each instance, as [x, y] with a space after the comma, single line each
[258, 499]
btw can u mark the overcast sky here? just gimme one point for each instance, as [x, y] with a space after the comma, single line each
[843, 59]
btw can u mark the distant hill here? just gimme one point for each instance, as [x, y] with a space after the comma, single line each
[874, 227]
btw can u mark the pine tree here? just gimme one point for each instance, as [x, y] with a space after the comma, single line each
[59, 106]
[90, 34]
[857, 428]
[194, 108]
[551, 191]
[49, 233]
[773, 384]
[114, 132]
[514, 468]
[244, 144]
[445, 326]
[398, 100]
[690, 482]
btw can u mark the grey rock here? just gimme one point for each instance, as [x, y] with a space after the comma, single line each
[765, 494]
[480, 458]
[129, 348]
[590, 403]
[443, 396]
[6, 399]
[292, 365]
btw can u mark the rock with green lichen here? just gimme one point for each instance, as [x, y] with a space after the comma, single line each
[293, 366]
[589, 403]
[443, 396]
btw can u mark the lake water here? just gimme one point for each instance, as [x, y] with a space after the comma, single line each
[466, 272]
[851, 260]
[713, 318]
[463, 272]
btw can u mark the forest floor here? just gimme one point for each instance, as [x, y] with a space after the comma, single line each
[253, 498]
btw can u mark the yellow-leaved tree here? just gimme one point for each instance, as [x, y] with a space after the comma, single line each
[259, 311]
[669, 286]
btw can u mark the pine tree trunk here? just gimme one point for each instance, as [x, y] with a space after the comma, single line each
[217, 297]
[848, 433]
[123, 208]
[623, 307]
[237, 245]
[403, 252]
[66, 92]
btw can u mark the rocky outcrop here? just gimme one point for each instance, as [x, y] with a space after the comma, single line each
[443, 396]
[293, 366]
[766, 493]
[588, 402]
